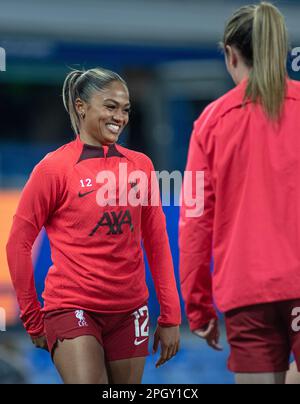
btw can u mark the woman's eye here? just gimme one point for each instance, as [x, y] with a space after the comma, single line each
[110, 107]
[127, 111]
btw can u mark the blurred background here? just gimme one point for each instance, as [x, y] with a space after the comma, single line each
[167, 50]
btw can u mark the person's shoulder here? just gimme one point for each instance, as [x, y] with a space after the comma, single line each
[59, 159]
[135, 156]
[219, 108]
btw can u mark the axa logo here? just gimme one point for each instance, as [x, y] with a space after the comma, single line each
[115, 222]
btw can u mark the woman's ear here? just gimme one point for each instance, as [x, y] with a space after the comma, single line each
[233, 56]
[79, 105]
[230, 57]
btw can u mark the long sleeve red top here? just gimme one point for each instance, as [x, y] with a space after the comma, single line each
[96, 251]
[251, 219]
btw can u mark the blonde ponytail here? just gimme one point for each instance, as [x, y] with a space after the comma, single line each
[267, 80]
[69, 95]
[259, 33]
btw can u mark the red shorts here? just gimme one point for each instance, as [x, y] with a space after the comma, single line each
[262, 337]
[122, 336]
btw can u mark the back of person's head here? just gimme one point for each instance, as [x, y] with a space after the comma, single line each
[259, 33]
[81, 84]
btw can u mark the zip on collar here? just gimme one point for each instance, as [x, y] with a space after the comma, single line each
[90, 151]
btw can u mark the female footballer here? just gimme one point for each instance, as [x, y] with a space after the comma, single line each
[95, 316]
[247, 144]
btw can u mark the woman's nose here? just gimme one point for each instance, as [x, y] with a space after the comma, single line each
[118, 116]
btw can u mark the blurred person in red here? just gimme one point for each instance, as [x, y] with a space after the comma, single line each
[95, 320]
[247, 144]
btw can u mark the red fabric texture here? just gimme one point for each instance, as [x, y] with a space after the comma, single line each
[96, 251]
[251, 219]
[115, 333]
[261, 337]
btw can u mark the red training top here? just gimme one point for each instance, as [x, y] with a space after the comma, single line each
[251, 219]
[96, 251]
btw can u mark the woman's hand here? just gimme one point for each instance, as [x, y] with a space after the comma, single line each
[169, 339]
[211, 334]
[40, 342]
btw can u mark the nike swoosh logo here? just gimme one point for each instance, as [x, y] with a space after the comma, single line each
[84, 194]
[136, 342]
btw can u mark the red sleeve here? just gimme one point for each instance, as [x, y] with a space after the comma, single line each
[156, 244]
[195, 238]
[36, 204]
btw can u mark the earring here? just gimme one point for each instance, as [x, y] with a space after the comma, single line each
[82, 114]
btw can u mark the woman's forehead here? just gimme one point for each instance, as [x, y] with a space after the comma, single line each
[116, 91]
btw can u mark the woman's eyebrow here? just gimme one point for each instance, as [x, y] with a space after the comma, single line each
[116, 102]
